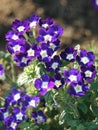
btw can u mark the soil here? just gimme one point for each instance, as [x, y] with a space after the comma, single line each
[79, 18]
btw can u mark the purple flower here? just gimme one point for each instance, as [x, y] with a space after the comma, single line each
[54, 64]
[4, 113]
[73, 76]
[29, 101]
[13, 98]
[54, 45]
[69, 54]
[44, 84]
[12, 36]
[44, 52]
[89, 73]
[46, 23]
[56, 30]
[31, 51]
[34, 21]
[20, 27]
[39, 117]
[15, 48]
[58, 81]
[86, 58]
[20, 115]
[11, 123]
[78, 89]
[46, 36]
[22, 60]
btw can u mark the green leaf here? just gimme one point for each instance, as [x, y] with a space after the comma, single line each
[45, 127]
[83, 107]
[94, 86]
[48, 96]
[80, 127]
[95, 110]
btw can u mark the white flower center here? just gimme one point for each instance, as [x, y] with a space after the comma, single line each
[17, 97]
[88, 74]
[6, 114]
[15, 37]
[45, 25]
[96, 2]
[72, 78]
[39, 119]
[85, 60]
[57, 83]
[52, 46]
[19, 116]
[43, 53]
[24, 60]
[78, 88]
[32, 103]
[21, 28]
[47, 38]
[69, 57]
[33, 24]
[16, 48]
[30, 52]
[44, 85]
[13, 125]
[54, 65]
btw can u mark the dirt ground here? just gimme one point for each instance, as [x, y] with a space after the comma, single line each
[78, 17]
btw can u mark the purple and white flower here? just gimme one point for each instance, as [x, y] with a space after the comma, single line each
[20, 27]
[54, 64]
[86, 58]
[78, 89]
[44, 84]
[44, 53]
[58, 81]
[89, 73]
[73, 76]
[39, 117]
[46, 23]
[69, 54]
[2, 72]
[34, 21]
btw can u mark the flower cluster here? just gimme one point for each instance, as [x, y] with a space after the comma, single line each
[34, 45]
[15, 109]
[33, 38]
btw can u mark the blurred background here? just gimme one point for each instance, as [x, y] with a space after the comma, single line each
[79, 18]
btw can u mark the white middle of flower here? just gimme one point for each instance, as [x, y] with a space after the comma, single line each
[88, 74]
[24, 60]
[13, 125]
[78, 88]
[15, 37]
[33, 24]
[21, 28]
[39, 119]
[17, 97]
[52, 46]
[72, 78]
[54, 65]
[69, 56]
[57, 83]
[45, 25]
[47, 38]
[85, 60]
[32, 103]
[30, 52]
[43, 53]
[19, 116]
[16, 48]
[44, 85]
[6, 114]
